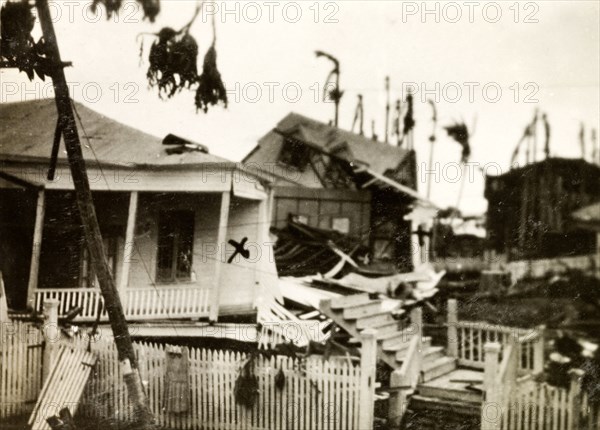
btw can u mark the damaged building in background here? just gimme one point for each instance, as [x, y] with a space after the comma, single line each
[529, 213]
[331, 179]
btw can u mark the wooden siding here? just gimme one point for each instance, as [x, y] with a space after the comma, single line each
[320, 206]
[530, 208]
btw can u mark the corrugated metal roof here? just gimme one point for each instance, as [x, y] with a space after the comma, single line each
[379, 156]
[27, 131]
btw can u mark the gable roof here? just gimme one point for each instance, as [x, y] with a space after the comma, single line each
[27, 133]
[380, 157]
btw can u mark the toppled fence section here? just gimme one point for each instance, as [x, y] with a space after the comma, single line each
[64, 386]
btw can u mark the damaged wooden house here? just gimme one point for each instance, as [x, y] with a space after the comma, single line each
[172, 217]
[332, 179]
[529, 221]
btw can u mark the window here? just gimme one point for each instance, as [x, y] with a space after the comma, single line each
[341, 224]
[383, 243]
[88, 276]
[175, 245]
[294, 154]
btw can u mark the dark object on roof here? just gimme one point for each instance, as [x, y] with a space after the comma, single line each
[113, 142]
[182, 145]
[302, 250]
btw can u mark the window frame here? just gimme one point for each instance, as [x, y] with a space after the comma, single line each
[294, 154]
[175, 219]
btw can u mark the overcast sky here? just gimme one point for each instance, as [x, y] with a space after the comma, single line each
[539, 54]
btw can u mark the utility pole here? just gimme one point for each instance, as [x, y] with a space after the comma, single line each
[358, 115]
[432, 141]
[335, 94]
[338, 94]
[90, 225]
[387, 107]
[397, 130]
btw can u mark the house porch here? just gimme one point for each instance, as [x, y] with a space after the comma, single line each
[168, 252]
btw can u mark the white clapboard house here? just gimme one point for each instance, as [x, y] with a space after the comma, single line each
[167, 210]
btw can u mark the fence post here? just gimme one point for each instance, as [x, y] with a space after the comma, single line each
[368, 361]
[416, 319]
[398, 398]
[538, 351]
[452, 321]
[491, 413]
[51, 334]
[575, 398]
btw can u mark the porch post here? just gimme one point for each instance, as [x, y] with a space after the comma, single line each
[452, 321]
[221, 237]
[3, 303]
[262, 235]
[129, 248]
[36, 248]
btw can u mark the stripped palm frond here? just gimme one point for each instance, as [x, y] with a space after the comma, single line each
[211, 89]
[460, 133]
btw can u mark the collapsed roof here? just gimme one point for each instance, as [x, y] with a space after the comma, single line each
[380, 157]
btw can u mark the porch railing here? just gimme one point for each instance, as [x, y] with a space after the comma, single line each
[165, 302]
[88, 299]
[466, 341]
[177, 301]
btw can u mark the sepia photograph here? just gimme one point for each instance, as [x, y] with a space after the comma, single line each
[299, 215]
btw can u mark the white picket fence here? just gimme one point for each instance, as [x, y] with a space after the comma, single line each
[317, 394]
[525, 403]
[539, 406]
[20, 368]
